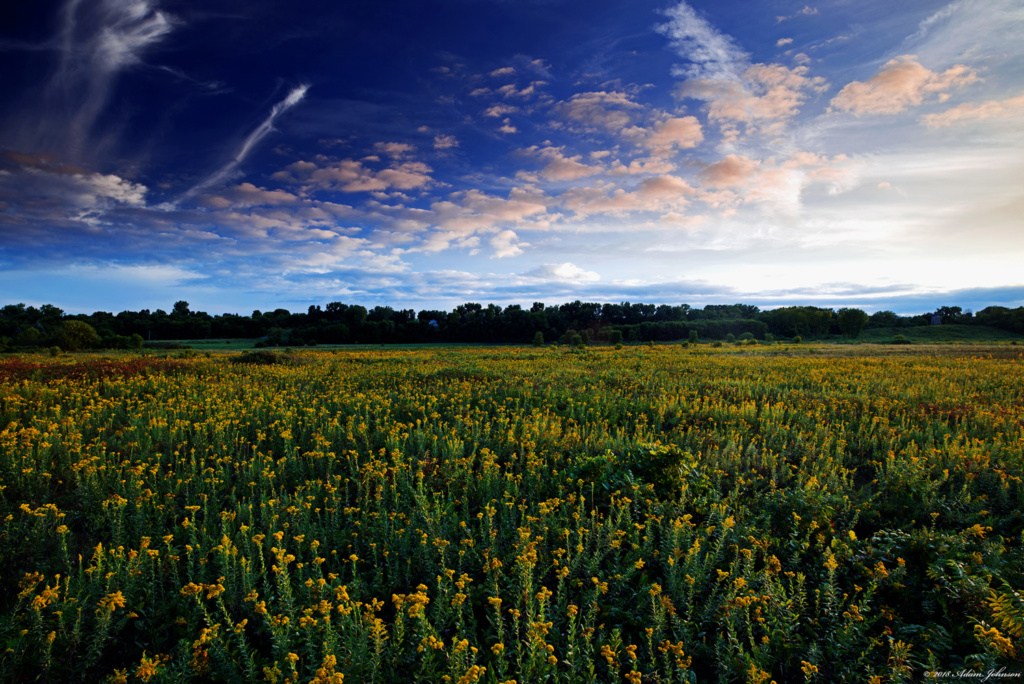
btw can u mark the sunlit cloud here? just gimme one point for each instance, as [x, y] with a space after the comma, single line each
[903, 82]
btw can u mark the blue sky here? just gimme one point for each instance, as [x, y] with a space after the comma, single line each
[422, 154]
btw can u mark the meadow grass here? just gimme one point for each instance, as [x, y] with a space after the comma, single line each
[649, 514]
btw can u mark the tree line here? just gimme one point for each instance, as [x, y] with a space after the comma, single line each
[24, 326]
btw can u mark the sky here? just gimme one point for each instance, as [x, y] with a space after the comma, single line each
[426, 153]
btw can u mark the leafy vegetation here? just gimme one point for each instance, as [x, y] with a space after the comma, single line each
[27, 328]
[648, 514]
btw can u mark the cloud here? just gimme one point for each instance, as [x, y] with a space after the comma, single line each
[664, 193]
[781, 42]
[977, 111]
[560, 167]
[903, 82]
[766, 97]
[507, 127]
[95, 42]
[395, 150]
[729, 172]
[261, 131]
[503, 71]
[350, 175]
[807, 11]
[567, 272]
[738, 94]
[248, 195]
[678, 132]
[500, 110]
[507, 244]
[712, 54]
[597, 110]
[445, 142]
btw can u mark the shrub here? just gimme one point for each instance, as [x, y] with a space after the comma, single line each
[538, 339]
[899, 339]
[797, 339]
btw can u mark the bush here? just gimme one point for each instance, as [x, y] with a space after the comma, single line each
[74, 335]
[730, 338]
[797, 339]
[747, 336]
[899, 339]
[538, 339]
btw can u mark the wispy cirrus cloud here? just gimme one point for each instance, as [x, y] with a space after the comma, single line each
[95, 43]
[740, 96]
[1010, 108]
[293, 98]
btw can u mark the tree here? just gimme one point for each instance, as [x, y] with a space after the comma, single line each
[852, 321]
[75, 335]
[538, 339]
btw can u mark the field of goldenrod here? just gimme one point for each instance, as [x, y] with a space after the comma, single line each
[493, 515]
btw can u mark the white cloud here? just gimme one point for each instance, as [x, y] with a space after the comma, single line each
[507, 244]
[712, 54]
[445, 142]
[567, 272]
[291, 99]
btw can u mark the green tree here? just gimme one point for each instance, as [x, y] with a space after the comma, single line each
[852, 321]
[538, 339]
[693, 337]
[75, 335]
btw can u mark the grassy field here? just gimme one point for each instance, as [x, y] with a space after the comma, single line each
[796, 513]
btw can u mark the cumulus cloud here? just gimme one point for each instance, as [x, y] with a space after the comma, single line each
[903, 82]
[782, 42]
[558, 166]
[567, 272]
[611, 111]
[977, 111]
[503, 71]
[350, 175]
[674, 133]
[445, 142]
[731, 171]
[248, 195]
[499, 110]
[507, 244]
[767, 97]
[394, 150]
[664, 193]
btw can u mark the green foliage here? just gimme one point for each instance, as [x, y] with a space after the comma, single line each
[74, 335]
[538, 339]
[722, 517]
[851, 321]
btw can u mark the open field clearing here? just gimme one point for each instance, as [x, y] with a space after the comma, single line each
[489, 514]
